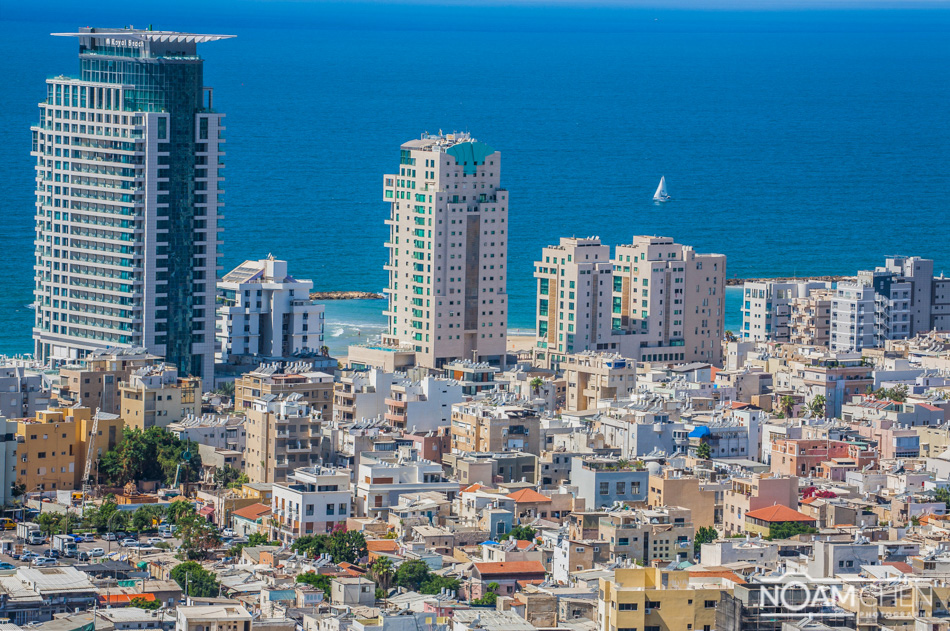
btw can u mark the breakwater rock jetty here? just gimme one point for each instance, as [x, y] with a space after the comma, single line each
[345, 295]
[732, 282]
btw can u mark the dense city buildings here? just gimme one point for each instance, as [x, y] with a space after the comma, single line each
[263, 311]
[128, 173]
[667, 303]
[447, 251]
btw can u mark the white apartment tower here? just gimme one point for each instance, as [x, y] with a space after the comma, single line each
[128, 190]
[767, 308]
[575, 281]
[448, 251]
[264, 311]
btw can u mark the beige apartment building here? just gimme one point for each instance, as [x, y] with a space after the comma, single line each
[94, 381]
[51, 449]
[647, 535]
[592, 377]
[486, 427]
[448, 249]
[652, 599]
[749, 494]
[282, 379]
[283, 433]
[666, 302]
[157, 397]
[671, 488]
[810, 319]
[574, 294]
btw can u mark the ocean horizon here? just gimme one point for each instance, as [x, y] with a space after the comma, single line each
[797, 143]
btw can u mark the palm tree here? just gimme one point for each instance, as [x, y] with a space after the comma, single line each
[325, 351]
[382, 572]
[536, 384]
[817, 406]
[785, 406]
[704, 451]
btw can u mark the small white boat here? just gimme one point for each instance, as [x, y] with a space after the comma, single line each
[661, 195]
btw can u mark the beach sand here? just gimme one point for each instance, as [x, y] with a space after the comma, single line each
[520, 343]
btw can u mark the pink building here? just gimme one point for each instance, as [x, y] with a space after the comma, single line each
[749, 494]
[818, 458]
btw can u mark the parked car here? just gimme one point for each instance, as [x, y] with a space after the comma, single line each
[52, 553]
[27, 557]
[97, 552]
[85, 538]
[6, 566]
[227, 532]
[129, 543]
[153, 540]
[110, 536]
[43, 562]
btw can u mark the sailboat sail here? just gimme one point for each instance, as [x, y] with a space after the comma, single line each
[661, 195]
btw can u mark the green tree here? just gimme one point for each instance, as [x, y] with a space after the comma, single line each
[521, 533]
[412, 573]
[788, 529]
[943, 495]
[226, 389]
[320, 581]
[381, 572]
[705, 534]
[198, 538]
[536, 384]
[704, 451]
[180, 511]
[229, 477]
[256, 539]
[785, 405]
[200, 582]
[490, 597]
[148, 605]
[146, 518]
[435, 583]
[817, 406]
[151, 454]
[347, 546]
[729, 336]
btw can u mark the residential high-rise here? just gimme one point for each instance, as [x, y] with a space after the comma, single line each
[128, 187]
[656, 300]
[448, 251]
[766, 308]
[263, 311]
[574, 294]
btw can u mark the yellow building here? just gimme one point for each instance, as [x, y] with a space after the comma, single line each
[671, 488]
[650, 598]
[51, 449]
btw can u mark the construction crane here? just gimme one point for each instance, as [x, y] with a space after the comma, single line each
[90, 451]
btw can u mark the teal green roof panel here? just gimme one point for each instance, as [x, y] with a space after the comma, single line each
[470, 154]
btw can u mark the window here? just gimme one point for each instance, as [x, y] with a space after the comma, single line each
[330, 508]
[605, 488]
[710, 604]
[621, 488]
[628, 606]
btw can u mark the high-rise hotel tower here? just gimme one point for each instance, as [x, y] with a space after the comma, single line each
[448, 250]
[128, 177]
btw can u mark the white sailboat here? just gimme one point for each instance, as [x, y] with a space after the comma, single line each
[661, 195]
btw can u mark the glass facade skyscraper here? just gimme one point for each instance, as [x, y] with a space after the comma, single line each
[128, 174]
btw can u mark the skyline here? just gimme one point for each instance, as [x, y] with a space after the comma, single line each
[707, 159]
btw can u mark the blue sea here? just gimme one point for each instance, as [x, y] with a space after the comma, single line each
[796, 142]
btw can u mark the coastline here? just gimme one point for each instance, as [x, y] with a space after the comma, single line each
[346, 295]
[831, 278]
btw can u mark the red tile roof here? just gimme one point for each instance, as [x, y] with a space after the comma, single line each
[252, 512]
[472, 488]
[732, 576]
[382, 545]
[900, 565]
[508, 568]
[124, 599]
[528, 495]
[778, 514]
